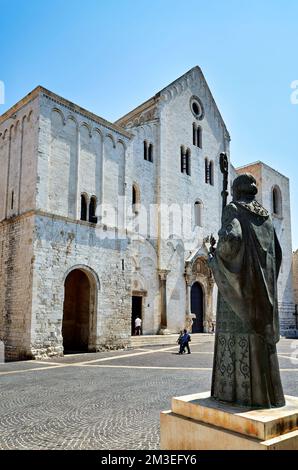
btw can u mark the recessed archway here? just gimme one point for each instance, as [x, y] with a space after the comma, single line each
[197, 307]
[78, 310]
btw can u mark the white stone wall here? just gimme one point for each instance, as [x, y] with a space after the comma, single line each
[177, 188]
[77, 155]
[61, 245]
[16, 273]
[18, 152]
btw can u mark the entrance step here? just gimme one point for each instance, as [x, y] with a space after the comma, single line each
[166, 340]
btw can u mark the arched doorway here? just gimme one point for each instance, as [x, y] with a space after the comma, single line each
[77, 310]
[197, 307]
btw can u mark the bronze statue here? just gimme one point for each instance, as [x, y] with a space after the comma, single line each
[245, 265]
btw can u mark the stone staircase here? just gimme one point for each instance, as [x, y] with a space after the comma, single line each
[167, 340]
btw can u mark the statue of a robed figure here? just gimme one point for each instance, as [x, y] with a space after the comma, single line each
[245, 265]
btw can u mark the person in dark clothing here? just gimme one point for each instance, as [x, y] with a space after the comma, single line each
[184, 342]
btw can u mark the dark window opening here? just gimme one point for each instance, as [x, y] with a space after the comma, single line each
[92, 210]
[188, 162]
[150, 153]
[195, 108]
[211, 174]
[199, 137]
[83, 207]
[145, 150]
[12, 199]
[194, 134]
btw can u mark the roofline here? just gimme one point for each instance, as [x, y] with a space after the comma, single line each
[260, 163]
[141, 107]
[76, 108]
[156, 97]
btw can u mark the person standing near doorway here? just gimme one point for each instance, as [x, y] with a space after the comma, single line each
[138, 324]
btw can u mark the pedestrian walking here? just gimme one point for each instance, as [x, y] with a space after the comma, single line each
[184, 342]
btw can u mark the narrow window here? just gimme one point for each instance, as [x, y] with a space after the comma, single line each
[194, 134]
[199, 137]
[92, 210]
[211, 173]
[206, 171]
[182, 159]
[12, 199]
[135, 198]
[145, 150]
[187, 162]
[150, 153]
[83, 207]
[276, 201]
[198, 213]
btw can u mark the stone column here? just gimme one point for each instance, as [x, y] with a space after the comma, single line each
[163, 300]
[188, 296]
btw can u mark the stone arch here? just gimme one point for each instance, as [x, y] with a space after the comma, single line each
[70, 117]
[86, 125]
[197, 270]
[198, 306]
[30, 114]
[111, 138]
[81, 287]
[58, 111]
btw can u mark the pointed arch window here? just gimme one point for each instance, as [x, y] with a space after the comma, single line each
[83, 207]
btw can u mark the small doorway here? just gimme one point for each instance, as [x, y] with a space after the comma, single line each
[137, 301]
[197, 307]
[76, 312]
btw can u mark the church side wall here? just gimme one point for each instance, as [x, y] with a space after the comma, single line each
[16, 274]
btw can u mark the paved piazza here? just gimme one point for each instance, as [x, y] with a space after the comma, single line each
[107, 400]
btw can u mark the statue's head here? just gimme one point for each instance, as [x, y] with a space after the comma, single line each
[244, 187]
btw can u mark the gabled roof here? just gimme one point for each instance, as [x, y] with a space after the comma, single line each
[154, 100]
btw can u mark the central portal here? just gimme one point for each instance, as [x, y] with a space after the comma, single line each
[76, 312]
[197, 307]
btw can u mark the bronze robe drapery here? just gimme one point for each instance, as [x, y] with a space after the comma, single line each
[245, 267]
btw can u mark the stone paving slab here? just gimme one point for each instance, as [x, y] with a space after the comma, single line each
[100, 405]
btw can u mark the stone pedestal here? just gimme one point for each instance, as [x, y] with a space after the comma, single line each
[197, 422]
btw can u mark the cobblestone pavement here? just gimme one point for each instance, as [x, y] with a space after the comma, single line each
[109, 400]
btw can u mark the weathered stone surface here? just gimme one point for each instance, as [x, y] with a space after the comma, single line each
[198, 422]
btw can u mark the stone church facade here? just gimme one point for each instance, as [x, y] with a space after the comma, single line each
[101, 222]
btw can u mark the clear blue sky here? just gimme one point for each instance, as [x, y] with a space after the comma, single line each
[109, 56]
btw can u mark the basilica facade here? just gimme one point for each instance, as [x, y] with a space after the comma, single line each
[102, 222]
